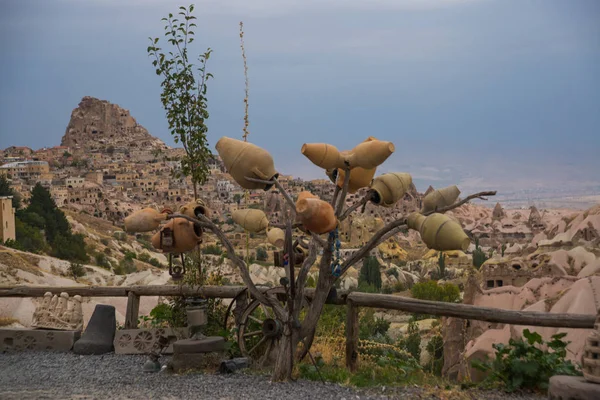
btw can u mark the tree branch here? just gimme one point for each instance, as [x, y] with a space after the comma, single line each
[336, 192]
[303, 274]
[281, 190]
[204, 222]
[386, 232]
[342, 199]
[355, 206]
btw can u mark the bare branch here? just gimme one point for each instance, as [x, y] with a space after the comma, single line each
[386, 232]
[204, 222]
[342, 199]
[355, 206]
[336, 192]
[303, 275]
[281, 190]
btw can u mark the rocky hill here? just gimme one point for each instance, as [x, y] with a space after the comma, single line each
[97, 125]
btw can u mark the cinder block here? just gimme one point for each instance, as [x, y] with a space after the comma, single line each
[37, 339]
[141, 341]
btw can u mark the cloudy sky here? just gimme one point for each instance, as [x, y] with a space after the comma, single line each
[479, 92]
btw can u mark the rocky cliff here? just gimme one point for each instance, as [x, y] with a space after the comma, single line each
[97, 125]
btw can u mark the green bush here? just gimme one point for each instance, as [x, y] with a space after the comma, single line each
[154, 262]
[372, 328]
[523, 364]
[126, 266]
[435, 347]
[431, 290]
[144, 257]
[212, 249]
[392, 272]
[104, 241]
[102, 261]
[479, 256]
[412, 341]
[261, 254]
[370, 274]
[76, 270]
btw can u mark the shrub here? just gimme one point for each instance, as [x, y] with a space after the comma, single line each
[144, 257]
[371, 327]
[126, 266]
[479, 256]
[435, 347]
[370, 274]
[76, 270]
[412, 341]
[212, 249]
[154, 262]
[392, 272]
[104, 241]
[102, 261]
[431, 290]
[261, 254]
[522, 364]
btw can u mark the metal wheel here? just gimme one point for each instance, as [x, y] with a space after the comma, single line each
[260, 329]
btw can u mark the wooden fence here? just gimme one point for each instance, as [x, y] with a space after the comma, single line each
[353, 301]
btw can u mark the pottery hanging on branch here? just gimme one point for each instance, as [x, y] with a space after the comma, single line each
[323, 155]
[439, 232]
[243, 159]
[194, 209]
[370, 154]
[388, 188]
[359, 177]
[316, 215]
[178, 235]
[145, 220]
[276, 237]
[251, 219]
[440, 198]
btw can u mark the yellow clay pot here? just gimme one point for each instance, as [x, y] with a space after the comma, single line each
[439, 232]
[250, 219]
[144, 220]
[276, 237]
[323, 155]
[390, 187]
[316, 215]
[440, 198]
[243, 159]
[186, 236]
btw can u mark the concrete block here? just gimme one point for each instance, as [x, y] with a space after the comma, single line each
[206, 345]
[37, 339]
[563, 387]
[141, 341]
[99, 333]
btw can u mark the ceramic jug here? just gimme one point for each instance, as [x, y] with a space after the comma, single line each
[389, 188]
[323, 155]
[144, 220]
[439, 232]
[184, 236]
[250, 219]
[194, 208]
[276, 237]
[316, 215]
[243, 159]
[440, 198]
[359, 177]
[370, 154]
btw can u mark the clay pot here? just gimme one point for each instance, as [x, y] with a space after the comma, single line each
[144, 220]
[306, 195]
[389, 188]
[359, 177]
[276, 237]
[370, 154]
[440, 198]
[323, 155]
[186, 236]
[194, 209]
[316, 215]
[243, 159]
[439, 232]
[250, 219]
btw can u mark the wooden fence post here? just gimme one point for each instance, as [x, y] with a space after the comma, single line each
[351, 336]
[133, 311]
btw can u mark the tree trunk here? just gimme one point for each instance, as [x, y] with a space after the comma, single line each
[284, 363]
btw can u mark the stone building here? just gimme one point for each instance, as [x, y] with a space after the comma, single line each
[25, 169]
[7, 219]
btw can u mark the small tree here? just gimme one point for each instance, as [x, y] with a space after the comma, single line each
[442, 265]
[370, 274]
[184, 93]
[479, 256]
[261, 254]
[76, 270]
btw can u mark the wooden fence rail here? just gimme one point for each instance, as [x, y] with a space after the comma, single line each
[353, 300]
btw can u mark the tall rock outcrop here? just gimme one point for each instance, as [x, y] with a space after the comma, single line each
[96, 125]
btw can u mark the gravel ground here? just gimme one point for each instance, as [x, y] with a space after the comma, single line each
[48, 375]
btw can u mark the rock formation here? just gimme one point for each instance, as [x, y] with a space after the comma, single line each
[97, 125]
[498, 212]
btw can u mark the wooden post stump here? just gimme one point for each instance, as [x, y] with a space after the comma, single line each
[133, 311]
[352, 337]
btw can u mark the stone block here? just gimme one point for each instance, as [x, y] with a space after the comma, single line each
[186, 361]
[37, 339]
[100, 332]
[564, 387]
[206, 345]
[141, 341]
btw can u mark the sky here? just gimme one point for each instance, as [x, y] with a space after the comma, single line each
[487, 94]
